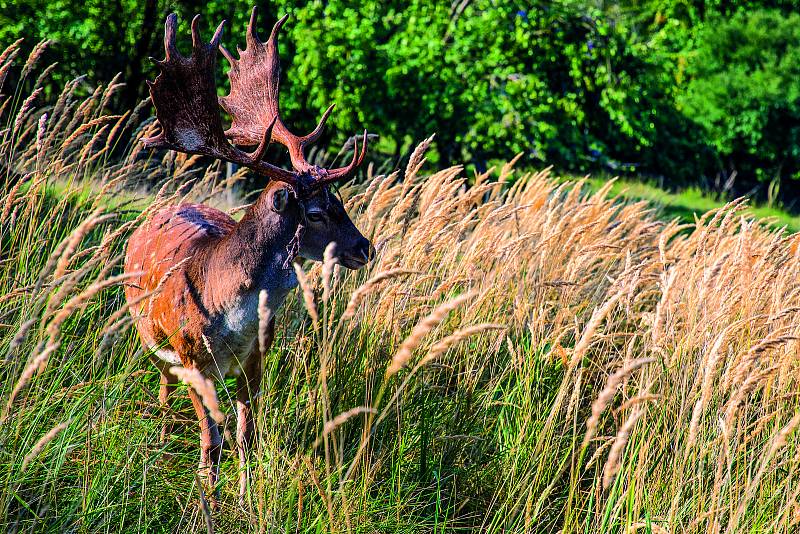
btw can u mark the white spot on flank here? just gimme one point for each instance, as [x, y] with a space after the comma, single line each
[236, 318]
[169, 356]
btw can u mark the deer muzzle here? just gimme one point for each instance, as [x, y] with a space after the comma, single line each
[359, 255]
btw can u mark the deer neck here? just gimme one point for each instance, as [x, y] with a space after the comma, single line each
[257, 255]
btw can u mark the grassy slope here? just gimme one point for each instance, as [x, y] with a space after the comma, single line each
[489, 439]
[685, 205]
[689, 202]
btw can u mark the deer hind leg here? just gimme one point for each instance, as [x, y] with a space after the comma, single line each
[165, 398]
[168, 385]
[210, 445]
[248, 386]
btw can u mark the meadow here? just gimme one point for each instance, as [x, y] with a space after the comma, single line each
[524, 354]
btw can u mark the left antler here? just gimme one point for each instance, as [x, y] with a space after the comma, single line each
[185, 98]
[187, 107]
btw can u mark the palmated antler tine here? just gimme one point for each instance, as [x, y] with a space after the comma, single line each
[363, 149]
[251, 37]
[272, 42]
[258, 155]
[170, 50]
[185, 97]
[314, 135]
[217, 37]
[197, 41]
[228, 56]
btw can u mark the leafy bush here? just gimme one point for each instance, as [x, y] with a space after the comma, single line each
[491, 79]
[745, 91]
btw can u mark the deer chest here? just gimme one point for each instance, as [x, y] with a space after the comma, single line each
[232, 337]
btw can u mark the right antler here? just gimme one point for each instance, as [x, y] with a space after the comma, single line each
[187, 108]
[254, 105]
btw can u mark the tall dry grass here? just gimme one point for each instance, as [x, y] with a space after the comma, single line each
[522, 355]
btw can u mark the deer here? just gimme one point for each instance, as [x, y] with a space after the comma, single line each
[203, 270]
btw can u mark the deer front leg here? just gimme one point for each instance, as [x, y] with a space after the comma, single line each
[248, 386]
[210, 446]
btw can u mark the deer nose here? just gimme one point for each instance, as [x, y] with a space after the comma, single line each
[365, 249]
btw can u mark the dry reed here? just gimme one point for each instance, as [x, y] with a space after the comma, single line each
[203, 386]
[693, 324]
[404, 353]
[39, 446]
[308, 294]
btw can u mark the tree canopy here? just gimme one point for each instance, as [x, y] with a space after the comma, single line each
[686, 91]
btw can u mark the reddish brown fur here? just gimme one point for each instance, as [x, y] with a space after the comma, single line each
[175, 318]
[204, 273]
[196, 262]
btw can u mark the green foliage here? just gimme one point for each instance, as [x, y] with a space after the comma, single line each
[685, 91]
[95, 38]
[745, 91]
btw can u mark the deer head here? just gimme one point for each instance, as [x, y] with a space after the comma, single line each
[187, 108]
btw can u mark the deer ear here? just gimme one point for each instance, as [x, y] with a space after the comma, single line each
[280, 199]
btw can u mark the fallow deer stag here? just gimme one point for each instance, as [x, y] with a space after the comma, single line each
[205, 270]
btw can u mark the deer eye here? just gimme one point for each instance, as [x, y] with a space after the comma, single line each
[315, 216]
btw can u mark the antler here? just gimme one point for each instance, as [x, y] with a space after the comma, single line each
[254, 107]
[187, 107]
[184, 95]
